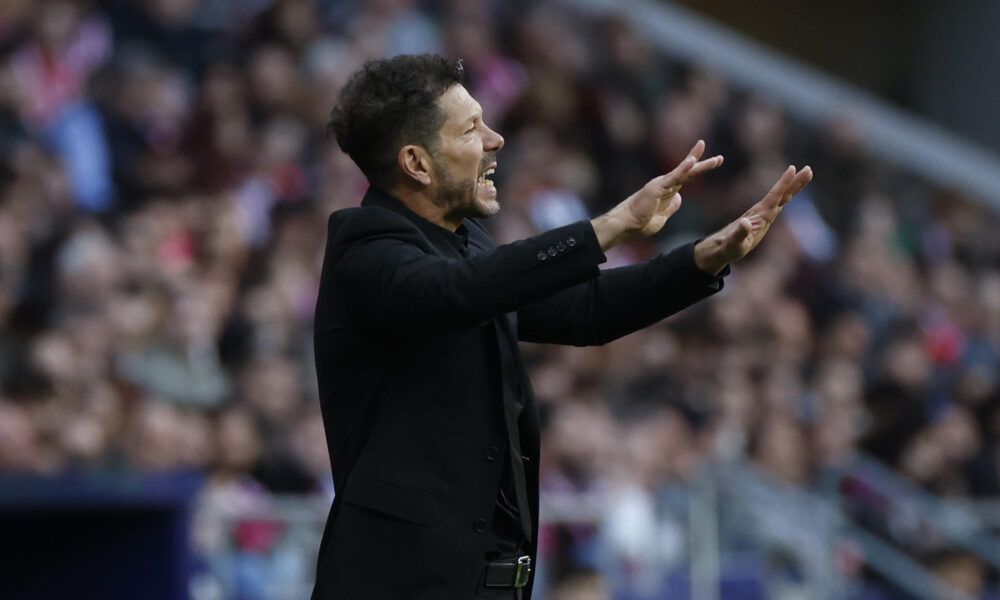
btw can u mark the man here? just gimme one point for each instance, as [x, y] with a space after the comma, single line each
[430, 420]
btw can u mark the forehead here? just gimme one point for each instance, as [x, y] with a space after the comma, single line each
[459, 106]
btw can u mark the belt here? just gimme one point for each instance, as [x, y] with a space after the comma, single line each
[511, 573]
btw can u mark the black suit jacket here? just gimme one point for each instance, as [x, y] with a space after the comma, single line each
[409, 322]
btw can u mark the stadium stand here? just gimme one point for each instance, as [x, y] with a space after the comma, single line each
[825, 428]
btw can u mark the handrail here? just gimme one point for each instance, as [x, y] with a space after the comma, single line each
[988, 510]
[703, 522]
[901, 569]
[747, 486]
[958, 521]
[893, 135]
[814, 517]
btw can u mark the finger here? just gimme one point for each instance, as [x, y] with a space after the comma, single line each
[673, 206]
[704, 166]
[674, 185]
[777, 192]
[675, 177]
[688, 169]
[697, 150]
[803, 177]
[669, 193]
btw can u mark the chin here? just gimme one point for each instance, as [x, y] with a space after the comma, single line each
[486, 208]
[492, 207]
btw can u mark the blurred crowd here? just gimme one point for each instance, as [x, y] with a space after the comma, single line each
[164, 191]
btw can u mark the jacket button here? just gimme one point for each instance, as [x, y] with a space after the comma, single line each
[552, 251]
[561, 246]
[571, 241]
[542, 256]
[491, 453]
[479, 525]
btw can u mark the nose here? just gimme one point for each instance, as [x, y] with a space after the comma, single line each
[492, 141]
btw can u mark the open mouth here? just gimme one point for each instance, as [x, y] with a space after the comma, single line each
[485, 179]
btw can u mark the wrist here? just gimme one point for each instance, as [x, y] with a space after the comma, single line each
[611, 228]
[709, 255]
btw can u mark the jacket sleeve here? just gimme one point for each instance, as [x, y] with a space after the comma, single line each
[387, 275]
[619, 301]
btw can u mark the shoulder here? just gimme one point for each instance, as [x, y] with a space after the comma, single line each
[365, 217]
[363, 221]
[353, 227]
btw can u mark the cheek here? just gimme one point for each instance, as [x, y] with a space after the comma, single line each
[467, 166]
[473, 149]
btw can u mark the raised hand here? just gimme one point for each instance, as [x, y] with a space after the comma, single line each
[736, 240]
[646, 211]
[659, 199]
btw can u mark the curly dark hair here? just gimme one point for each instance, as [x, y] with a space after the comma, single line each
[389, 103]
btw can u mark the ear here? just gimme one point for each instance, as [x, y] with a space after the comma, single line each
[415, 163]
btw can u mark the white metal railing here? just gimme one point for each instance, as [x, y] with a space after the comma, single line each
[728, 509]
[812, 525]
[963, 523]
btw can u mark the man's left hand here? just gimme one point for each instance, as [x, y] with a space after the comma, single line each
[736, 240]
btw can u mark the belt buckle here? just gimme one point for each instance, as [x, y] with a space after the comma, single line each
[523, 571]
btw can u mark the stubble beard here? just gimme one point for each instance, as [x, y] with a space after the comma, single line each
[461, 197]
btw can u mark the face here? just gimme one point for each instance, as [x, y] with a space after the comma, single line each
[465, 158]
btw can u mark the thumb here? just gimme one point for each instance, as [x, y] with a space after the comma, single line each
[669, 208]
[743, 229]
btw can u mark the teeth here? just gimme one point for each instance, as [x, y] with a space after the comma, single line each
[484, 178]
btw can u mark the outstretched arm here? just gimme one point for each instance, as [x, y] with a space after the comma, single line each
[621, 301]
[381, 268]
[618, 302]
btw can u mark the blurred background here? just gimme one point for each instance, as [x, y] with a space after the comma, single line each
[825, 428]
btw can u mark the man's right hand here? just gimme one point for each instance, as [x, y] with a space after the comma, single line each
[645, 212]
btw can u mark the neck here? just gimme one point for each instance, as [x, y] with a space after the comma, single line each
[422, 203]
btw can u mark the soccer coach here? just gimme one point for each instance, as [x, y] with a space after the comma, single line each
[430, 419]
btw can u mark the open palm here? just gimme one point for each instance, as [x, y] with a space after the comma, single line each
[659, 199]
[756, 221]
[737, 239]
